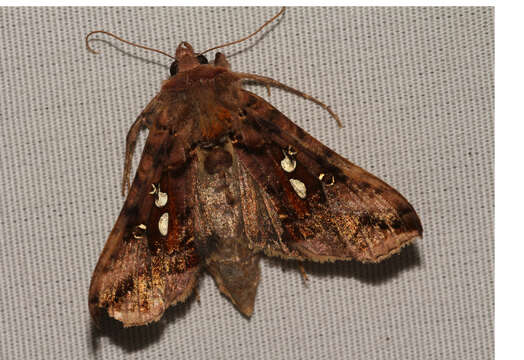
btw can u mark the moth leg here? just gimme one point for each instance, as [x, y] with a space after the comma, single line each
[268, 87]
[140, 123]
[303, 273]
[271, 82]
[197, 295]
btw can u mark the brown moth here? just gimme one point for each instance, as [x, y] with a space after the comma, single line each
[225, 177]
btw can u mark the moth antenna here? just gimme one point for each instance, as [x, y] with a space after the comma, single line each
[249, 36]
[124, 41]
[271, 82]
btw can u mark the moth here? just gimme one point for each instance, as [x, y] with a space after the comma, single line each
[225, 178]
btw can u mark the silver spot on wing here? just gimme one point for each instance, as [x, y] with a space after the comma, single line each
[140, 231]
[163, 223]
[299, 187]
[161, 199]
[288, 164]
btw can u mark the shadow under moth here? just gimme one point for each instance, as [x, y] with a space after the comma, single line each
[225, 177]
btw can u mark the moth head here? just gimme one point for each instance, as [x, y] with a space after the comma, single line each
[186, 59]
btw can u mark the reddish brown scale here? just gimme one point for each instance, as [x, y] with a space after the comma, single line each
[212, 131]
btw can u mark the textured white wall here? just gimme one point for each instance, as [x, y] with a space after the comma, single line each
[414, 88]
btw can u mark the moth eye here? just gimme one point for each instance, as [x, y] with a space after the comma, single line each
[174, 68]
[202, 59]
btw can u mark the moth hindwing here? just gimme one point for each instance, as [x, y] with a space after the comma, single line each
[224, 178]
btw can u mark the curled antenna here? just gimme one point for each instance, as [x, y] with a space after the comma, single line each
[249, 36]
[124, 41]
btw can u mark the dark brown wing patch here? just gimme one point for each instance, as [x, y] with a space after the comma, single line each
[326, 208]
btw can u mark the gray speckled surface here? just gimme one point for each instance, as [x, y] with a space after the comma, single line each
[414, 88]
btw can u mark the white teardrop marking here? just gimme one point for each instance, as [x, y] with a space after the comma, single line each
[288, 164]
[161, 199]
[299, 187]
[163, 223]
